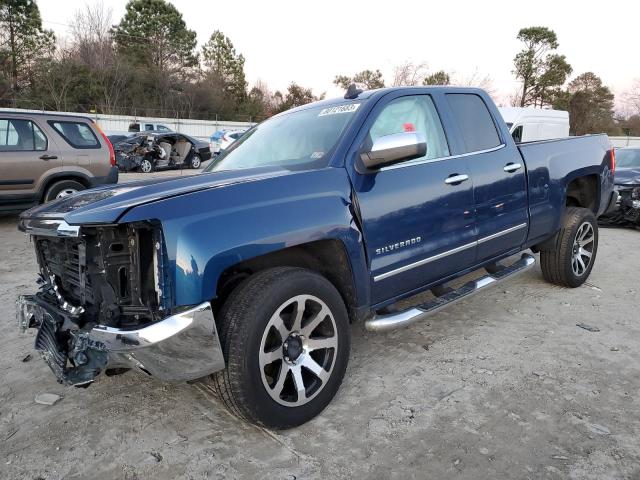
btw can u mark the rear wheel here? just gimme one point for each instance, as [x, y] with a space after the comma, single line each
[62, 189]
[195, 161]
[568, 260]
[146, 166]
[285, 336]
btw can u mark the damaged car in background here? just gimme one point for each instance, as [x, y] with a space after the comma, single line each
[626, 210]
[148, 152]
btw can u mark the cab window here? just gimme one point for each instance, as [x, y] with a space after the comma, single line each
[476, 125]
[415, 113]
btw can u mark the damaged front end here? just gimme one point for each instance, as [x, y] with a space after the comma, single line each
[626, 211]
[104, 304]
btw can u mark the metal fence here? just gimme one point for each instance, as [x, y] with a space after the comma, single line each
[119, 124]
[625, 141]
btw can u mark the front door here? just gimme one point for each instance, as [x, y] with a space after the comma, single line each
[418, 216]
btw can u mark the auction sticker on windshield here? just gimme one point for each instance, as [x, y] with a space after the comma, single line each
[350, 108]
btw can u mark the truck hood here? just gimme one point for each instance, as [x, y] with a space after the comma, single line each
[107, 204]
[627, 176]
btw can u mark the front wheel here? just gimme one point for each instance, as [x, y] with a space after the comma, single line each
[285, 336]
[568, 260]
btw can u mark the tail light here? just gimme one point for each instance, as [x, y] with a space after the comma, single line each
[613, 160]
[112, 154]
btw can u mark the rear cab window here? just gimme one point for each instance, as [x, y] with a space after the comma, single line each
[476, 125]
[76, 134]
[21, 135]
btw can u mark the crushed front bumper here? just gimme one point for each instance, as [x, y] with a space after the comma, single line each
[181, 347]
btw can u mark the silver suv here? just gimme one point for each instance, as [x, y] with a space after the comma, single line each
[47, 156]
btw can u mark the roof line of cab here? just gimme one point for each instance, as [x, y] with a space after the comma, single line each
[380, 92]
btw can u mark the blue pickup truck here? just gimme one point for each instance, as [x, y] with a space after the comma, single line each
[324, 215]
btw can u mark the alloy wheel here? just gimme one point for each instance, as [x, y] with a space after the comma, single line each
[298, 350]
[582, 250]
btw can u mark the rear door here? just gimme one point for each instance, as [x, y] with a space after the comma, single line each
[26, 154]
[418, 225]
[82, 148]
[498, 172]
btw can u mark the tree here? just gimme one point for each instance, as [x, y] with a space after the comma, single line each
[22, 40]
[409, 74]
[93, 47]
[222, 61]
[590, 105]
[295, 97]
[369, 79]
[537, 67]
[632, 97]
[153, 33]
[438, 78]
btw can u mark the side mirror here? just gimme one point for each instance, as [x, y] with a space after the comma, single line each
[394, 148]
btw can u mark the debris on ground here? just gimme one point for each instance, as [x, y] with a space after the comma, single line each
[599, 429]
[157, 456]
[26, 358]
[588, 327]
[47, 398]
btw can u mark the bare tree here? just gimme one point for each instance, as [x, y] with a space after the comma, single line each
[93, 47]
[56, 76]
[90, 31]
[409, 74]
[478, 80]
[631, 98]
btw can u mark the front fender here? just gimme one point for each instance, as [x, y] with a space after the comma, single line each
[208, 231]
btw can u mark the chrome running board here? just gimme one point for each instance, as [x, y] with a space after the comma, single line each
[384, 322]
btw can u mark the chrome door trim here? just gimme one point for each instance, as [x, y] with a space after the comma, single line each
[433, 160]
[501, 233]
[424, 261]
[433, 258]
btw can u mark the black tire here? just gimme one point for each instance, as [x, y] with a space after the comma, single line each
[62, 188]
[243, 322]
[557, 256]
[195, 162]
[146, 166]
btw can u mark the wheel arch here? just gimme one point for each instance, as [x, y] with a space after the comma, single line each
[328, 257]
[62, 176]
[583, 191]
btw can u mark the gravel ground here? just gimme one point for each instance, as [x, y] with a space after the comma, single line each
[502, 385]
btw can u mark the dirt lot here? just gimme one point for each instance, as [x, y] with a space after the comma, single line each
[503, 385]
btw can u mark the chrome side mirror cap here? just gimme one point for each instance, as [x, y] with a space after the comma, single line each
[394, 148]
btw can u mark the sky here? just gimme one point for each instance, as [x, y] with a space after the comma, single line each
[310, 41]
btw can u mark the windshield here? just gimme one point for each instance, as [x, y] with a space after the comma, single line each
[628, 158]
[302, 140]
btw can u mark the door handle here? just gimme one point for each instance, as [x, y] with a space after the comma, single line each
[512, 167]
[456, 179]
[47, 157]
